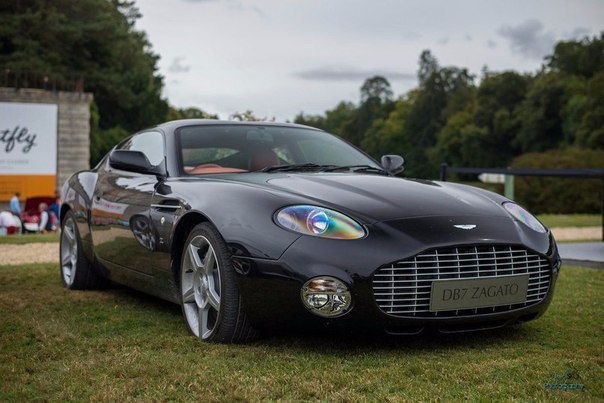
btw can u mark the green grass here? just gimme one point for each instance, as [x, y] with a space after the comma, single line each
[571, 220]
[28, 238]
[122, 345]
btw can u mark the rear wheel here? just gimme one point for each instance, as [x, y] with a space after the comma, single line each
[210, 299]
[76, 271]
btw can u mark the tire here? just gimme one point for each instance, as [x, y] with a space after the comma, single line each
[210, 300]
[76, 271]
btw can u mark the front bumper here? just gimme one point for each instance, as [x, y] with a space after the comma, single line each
[270, 289]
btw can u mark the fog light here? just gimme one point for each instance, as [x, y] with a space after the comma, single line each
[326, 296]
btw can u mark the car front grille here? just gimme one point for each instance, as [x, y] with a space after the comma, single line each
[403, 288]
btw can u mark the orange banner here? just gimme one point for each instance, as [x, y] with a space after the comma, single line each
[27, 186]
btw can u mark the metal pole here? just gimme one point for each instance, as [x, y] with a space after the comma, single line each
[443, 171]
[602, 207]
[509, 187]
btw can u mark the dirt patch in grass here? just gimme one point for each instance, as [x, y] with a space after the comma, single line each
[13, 254]
[564, 234]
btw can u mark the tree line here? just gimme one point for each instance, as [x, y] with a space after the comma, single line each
[451, 118]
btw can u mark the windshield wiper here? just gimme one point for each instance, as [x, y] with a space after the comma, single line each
[296, 167]
[357, 168]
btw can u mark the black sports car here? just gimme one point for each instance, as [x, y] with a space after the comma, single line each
[262, 225]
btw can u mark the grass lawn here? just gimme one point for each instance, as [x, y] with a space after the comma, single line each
[28, 238]
[571, 220]
[122, 345]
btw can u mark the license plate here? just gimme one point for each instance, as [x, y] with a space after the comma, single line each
[478, 292]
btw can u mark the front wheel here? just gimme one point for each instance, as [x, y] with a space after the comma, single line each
[210, 299]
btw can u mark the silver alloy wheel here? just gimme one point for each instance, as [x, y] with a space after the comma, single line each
[69, 251]
[200, 287]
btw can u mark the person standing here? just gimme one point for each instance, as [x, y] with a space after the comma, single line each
[15, 204]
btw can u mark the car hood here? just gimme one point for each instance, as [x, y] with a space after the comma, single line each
[382, 198]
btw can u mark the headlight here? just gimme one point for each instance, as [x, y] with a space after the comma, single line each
[319, 221]
[326, 296]
[524, 217]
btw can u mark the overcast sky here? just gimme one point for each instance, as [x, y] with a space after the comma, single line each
[280, 57]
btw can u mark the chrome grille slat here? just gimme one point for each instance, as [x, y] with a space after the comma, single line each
[459, 267]
[403, 288]
[471, 272]
[506, 252]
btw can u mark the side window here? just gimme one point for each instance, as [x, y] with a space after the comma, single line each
[149, 143]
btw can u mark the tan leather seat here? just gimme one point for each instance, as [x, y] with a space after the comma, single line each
[262, 158]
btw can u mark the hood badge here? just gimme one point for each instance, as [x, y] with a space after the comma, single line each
[465, 226]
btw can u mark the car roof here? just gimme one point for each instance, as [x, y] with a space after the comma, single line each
[174, 124]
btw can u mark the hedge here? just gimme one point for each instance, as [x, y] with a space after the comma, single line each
[559, 195]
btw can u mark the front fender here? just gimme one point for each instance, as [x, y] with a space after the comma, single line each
[242, 214]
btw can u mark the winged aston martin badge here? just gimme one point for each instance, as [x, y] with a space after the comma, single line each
[465, 226]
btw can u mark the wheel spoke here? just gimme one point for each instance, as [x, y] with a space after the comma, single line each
[214, 299]
[203, 322]
[188, 296]
[69, 232]
[196, 262]
[209, 260]
[214, 290]
[67, 258]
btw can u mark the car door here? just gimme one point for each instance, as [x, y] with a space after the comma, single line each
[122, 232]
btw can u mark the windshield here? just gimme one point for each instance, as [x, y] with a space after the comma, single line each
[245, 148]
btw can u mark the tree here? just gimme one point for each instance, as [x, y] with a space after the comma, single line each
[317, 121]
[376, 103]
[376, 89]
[427, 66]
[189, 113]
[388, 136]
[445, 92]
[578, 58]
[334, 120]
[590, 133]
[247, 116]
[93, 44]
[541, 114]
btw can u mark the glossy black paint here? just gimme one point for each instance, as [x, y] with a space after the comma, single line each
[133, 226]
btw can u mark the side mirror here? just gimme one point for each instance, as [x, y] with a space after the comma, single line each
[133, 161]
[393, 163]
